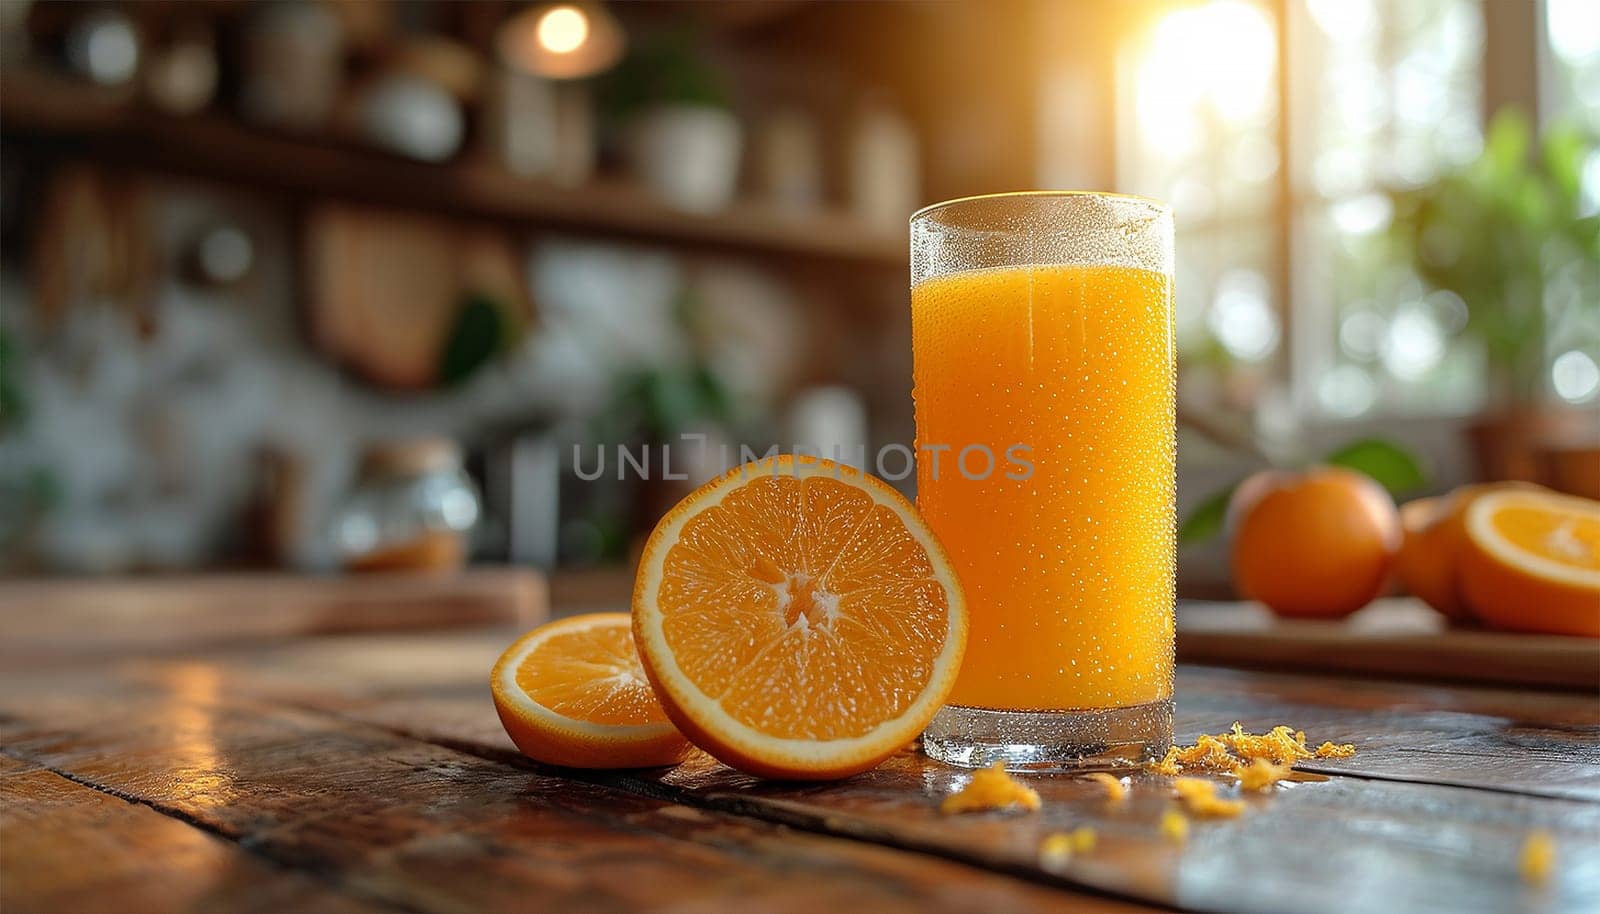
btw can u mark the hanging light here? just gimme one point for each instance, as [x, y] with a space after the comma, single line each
[561, 40]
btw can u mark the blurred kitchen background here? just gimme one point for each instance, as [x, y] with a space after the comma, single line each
[320, 285]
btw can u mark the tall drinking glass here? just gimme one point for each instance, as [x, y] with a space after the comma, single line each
[1044, 381]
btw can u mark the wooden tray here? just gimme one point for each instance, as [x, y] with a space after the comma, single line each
[1392, 637]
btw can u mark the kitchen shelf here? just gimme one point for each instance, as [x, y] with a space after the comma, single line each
[89, 122]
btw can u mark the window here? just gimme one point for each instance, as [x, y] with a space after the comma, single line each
[1570, 63]
[1380, 94]
[1569, 84]
[1198, 92]
[1383, 95]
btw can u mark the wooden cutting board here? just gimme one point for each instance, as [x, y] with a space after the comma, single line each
[44, 617]
[1392, 637]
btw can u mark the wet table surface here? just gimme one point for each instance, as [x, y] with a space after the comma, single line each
[369, 772]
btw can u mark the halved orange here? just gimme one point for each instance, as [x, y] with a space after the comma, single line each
[798, 618]
[1532, 562]
[1426, 562]
[573, 693]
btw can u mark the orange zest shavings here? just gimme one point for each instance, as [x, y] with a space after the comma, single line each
[1200, 797]
[1538, 858]
[991, 788]
[1260, 774]
[1174, 826]
[1216, 808]
[1084, 839]
[1230, 753]
[1059, 847]
[1257, 760]
[1116, 788]
[1280, 746]
[1335, 750]
[1209, 753]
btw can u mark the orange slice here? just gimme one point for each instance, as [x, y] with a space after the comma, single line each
[798, 619]
[573, 693]
[1532, 562]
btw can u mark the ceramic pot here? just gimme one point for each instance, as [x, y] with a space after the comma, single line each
[688, 155]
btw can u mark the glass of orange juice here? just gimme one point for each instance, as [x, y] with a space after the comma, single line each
[1044, 381]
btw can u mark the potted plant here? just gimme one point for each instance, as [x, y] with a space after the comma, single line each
[1507, 234]
[671, 113]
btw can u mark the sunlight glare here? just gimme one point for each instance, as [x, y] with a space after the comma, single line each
[1347, 390]
[1361, 334]
[1414, 346]
[1362, 215]
[1589, 186]
[1574, 28]
[1343, 20]
[1575, 376]
[1221, 53]
[563, 29]
[1241, 317]
[1244, 50]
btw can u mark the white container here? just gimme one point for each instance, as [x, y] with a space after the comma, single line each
[412, 117]
[830, 422]
[105, 47]
[521, 123]
[885, 174]
[540, 128]
[688, 155]
[788, 160]
[293, 65]
[182, 76]
[575, 135]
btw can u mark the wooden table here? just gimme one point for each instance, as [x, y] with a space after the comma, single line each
[366, 771]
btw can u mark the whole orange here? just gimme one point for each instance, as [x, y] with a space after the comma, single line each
[1317, 544]
[1247, 493]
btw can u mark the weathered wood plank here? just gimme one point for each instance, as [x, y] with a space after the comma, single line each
[414, 825]
[67, 847]
[1426, 847]
[1422, 846]
[1535, 743]
[1520, 741]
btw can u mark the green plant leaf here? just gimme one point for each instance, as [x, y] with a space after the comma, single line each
[13, 407]
[1392, 466]
[1506, 148]
[1495, 232]
[479, 332]
[1564, 151]
[668, 69]
[1206, 520]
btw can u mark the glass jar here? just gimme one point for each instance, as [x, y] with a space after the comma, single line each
[411, 509]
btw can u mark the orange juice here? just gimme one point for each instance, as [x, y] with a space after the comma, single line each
[1068, 572]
